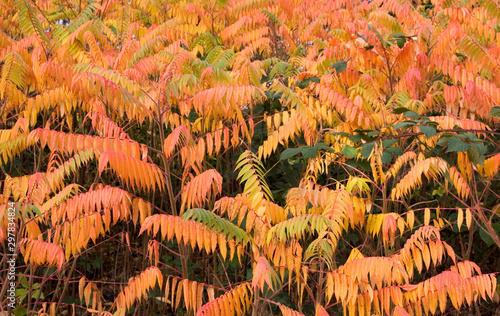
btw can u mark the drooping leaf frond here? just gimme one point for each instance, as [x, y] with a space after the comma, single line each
[191, 292]
[137, 289]
[227, 99]
[423, 248]
[252, 174]
[387, 224]
[201, 188]
[285, 255]
[90, 294]
[237, 209]
[351, 112]
[32, 187]
[321, 249]
[42, 253]
[448, 285]
[430, 167]
[491, 165]
[12, 147]
[190, 232]
[466, 269]
[71, 143]
[366, 274]
[89, 85]
[66, 193]
[403, 159]
[75, 235]
[134, 172]
[264, 273]
[217, 223]
[13, 71]
[288, 130]
[337, 205]
[234, 302]
[460, 184]
[298, 227]
[118, 202]
[56, 176]
[28, 20]
[287, 311]
[179, 137]
[107, 127]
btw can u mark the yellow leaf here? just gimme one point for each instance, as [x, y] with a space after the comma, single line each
[460, 218]
[427, 216]
[468, 218]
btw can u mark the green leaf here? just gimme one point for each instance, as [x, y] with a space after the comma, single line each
[486, 237]
[439, 191]
[349, 151]
[443, 140]
[38, 294]
[480, 147]
[400, 39]
[21, 293]
[304, 83]
[217, 223]
[373, 133]
[395, 150]
[412, 114]
[339, 134]
[306, 151]
[36, 210]
[258, 109]
[20, 311]
[289, 153]
[404, 124]
[400, 110]
[340, 66]
[355, 138]
[272, 17]
[429, 131]
[475, 156]
[309, 152]
[28, 20]
[97, 262]
[468, 136]
[386, 157]
[456, 144]
[388, 142]
[495, 112]
[324, 147]
[401, 42]
[367, 149]
[113, 29]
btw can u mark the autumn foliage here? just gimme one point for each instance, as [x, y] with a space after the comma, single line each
[250, 157]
